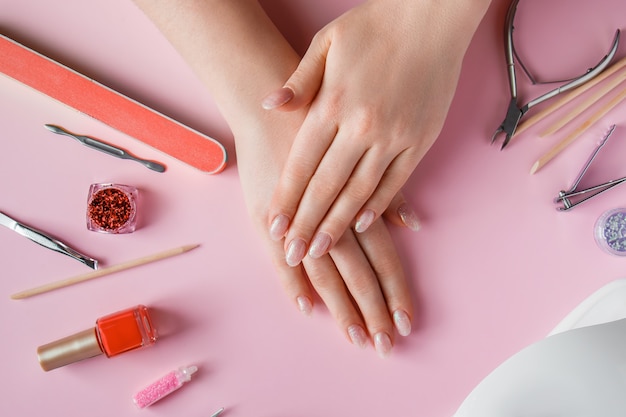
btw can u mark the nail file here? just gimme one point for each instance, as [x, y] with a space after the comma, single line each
[110, 107]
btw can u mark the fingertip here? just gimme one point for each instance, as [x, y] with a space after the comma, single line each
[279, 227]
[305, 305]
[296, 251]
[382, 344]
[357, 336]
[364, 220]
[409, 217]
[402, 322]
[400, 213]
[277, 98]
[320, 245]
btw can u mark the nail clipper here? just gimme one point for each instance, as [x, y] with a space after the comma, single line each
[580, 196]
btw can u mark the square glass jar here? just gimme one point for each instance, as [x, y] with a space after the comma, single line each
[112, 208]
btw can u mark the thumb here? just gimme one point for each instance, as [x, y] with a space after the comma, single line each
[400, 213]
[303, 85]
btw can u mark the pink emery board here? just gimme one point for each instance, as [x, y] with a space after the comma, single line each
[110, 107]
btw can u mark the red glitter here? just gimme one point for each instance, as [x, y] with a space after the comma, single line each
[110, 209]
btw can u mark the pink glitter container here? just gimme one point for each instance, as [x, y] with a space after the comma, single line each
[164, 386]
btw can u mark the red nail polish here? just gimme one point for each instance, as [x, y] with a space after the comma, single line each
[113, 334]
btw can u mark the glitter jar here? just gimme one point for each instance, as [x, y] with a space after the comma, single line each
[610, 231]
[112, 208]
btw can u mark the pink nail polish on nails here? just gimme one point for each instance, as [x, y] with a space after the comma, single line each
[295, 252]
[305, 305]
[382, 343]
[279, 226]
[358, 337]
[364, 221]
[320, 245]
[277, 98]
[408, 217]
[402, 322]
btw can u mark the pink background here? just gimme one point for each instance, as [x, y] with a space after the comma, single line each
[493, 269]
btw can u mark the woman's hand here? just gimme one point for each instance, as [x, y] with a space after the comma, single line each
[361, 280]
[380, 80]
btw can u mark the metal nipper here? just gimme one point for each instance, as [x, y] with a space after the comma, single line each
[515, 111]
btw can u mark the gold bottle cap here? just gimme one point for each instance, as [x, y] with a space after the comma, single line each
[70, 349]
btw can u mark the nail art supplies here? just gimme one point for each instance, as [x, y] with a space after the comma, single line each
[112, 208]
[46, 240]
[573, 197]
[516, 110]
[101, 272]
[610, 231]
[106, 148]
[112, 335]
[164, 386]
[110, 107]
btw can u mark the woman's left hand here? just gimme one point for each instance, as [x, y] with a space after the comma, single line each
[379, 80]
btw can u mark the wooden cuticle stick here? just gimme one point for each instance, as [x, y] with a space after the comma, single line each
[101, 272]
[536, 118]
[597, 96]
[582, 128]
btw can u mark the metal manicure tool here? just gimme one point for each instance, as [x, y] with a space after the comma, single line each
[218, 412]
[106, 148]
[581, 196]
[46, 240]
[515, 111]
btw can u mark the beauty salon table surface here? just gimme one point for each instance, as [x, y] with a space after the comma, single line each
[494, 268]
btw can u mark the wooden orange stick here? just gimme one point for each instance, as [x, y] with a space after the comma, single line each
[565, 142]
[101, 272]
[539, 116]
[576, 111]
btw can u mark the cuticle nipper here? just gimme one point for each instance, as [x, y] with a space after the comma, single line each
[515, 111]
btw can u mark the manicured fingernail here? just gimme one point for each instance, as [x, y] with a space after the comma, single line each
[364, 221]
[408, 217]
[402, 322]
[305, 305]
[279, 226]
[295, 252]
[320, 245]
[382, 343]
[358, 337]
[277, 98]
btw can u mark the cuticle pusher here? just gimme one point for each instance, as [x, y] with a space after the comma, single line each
[106, 148]
[46, 240]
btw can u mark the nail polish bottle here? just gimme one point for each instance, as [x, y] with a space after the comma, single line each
[113, 334]
[112, 208]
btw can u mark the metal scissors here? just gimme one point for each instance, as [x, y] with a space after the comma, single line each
[515, 111]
